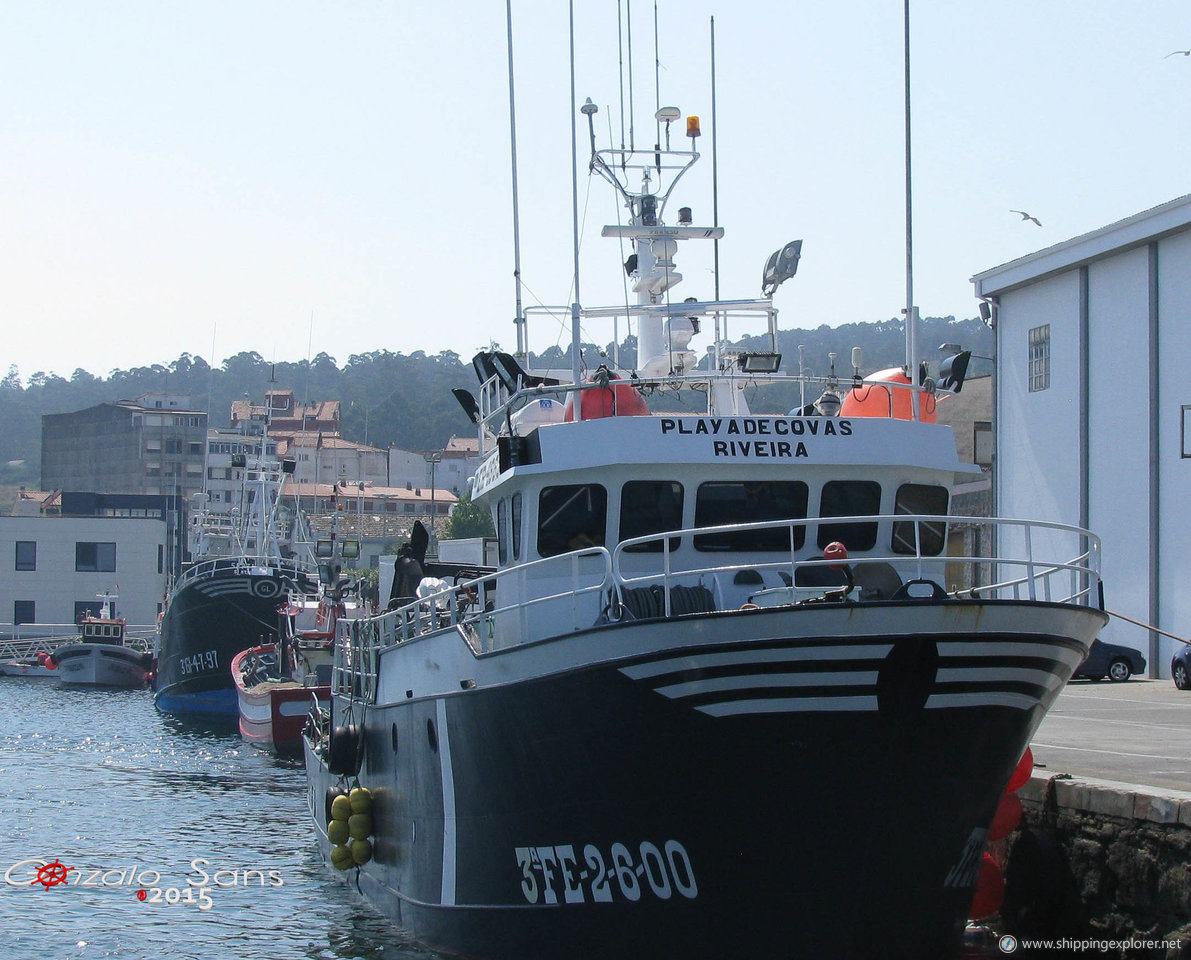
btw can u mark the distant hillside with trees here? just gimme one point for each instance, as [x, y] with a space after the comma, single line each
[389, 398]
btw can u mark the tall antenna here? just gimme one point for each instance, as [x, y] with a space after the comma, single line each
[628, 10]
[620, 62]
[575, 328]
[519, 320]
[715, 180]
[911, 311]
[657, 87]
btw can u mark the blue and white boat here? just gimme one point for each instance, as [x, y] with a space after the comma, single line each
[103, 655]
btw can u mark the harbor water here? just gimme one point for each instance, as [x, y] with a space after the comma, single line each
[105, 801]
[100, 790]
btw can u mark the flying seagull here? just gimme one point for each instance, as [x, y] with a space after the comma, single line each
[1026, 216]
[1185, 53]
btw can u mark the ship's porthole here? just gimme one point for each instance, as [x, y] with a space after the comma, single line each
[394, 733]
[431, 735]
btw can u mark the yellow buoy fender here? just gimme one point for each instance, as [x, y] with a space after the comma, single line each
[341, 808]
[341, 858]
[360, 826]
[337, 832]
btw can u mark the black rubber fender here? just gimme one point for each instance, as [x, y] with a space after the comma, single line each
[344, 750]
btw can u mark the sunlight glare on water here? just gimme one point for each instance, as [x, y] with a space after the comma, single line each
[100, 783]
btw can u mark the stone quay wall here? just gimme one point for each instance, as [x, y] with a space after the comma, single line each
[1100, 860]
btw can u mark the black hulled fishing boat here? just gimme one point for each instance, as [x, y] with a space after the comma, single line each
[248, 563]
[728, 692]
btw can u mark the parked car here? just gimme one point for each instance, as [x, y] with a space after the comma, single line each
[1110, 660]
[1180, 668]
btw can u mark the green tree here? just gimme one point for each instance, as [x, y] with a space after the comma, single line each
[468, 519]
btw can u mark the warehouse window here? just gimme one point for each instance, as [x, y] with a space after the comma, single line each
[24, 611]
[85, 608]
[1040, 358]
[94, 557]
[26, 555]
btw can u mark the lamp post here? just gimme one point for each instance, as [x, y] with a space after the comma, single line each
[432, 457]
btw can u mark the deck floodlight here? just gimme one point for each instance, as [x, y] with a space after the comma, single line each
[760, 362]
[324, 548]
[780, 267]
[953, 370]
[350, 549]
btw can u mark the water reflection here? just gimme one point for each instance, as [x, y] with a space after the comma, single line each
[101, 781]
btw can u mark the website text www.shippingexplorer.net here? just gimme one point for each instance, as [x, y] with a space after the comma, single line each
[1011, 944]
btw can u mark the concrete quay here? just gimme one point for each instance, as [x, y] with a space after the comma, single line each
[1104, 850]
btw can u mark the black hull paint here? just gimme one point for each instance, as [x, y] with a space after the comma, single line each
[207, 622]
[621, 810]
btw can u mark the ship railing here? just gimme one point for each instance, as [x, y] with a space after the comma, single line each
[531, 600]
[245, 565]
[142, 637]
[882, 399]
[501, 609]
[1034, 560]
[39, 638]
[355, 661]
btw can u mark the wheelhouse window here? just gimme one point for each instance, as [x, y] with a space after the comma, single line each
[650, 506]
[24, 611]
[920, 498]
[94, 557]
[515, 520]
[508, 528]
[850, 498]
[26, 558]
[724, 502]
[502, 530]
[571, 517]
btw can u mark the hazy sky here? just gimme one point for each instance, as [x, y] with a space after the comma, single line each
[295, 177]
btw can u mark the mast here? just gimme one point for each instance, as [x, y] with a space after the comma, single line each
[519, 320]
[911, 311]
[575, 326]
[715, 194]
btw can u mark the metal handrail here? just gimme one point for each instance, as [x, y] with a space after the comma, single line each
[443, 608]
[205, 568]
[470, 608]
[1083, 567]
[465, 606]
[138, 636]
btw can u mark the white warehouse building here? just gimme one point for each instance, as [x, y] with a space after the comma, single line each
[1093, 408]
[53, 569]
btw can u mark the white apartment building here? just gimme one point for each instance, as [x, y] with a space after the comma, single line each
[447, 469]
